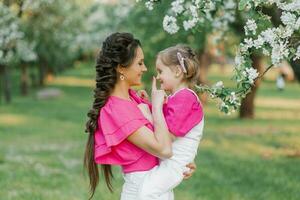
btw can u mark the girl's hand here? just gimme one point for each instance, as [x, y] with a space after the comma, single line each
[143, 94]
[158, 95]
[189, 173]
[144, 108]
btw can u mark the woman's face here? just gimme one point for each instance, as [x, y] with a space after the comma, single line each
[133, 73]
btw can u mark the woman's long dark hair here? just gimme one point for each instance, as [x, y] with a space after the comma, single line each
[117, 49]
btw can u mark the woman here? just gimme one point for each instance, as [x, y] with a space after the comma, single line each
[119, 134]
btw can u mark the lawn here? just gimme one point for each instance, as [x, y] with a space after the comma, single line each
[42, 144]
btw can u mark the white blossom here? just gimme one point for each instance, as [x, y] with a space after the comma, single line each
[228, 17]
[288, 18]
[233, 98]
[239, 60]
[149, 5]
[259, 42]
[250, 74]
[250, 27]
[194, 11]
[25, 51]
[190, 23]
[224, 106]
[230, 4]
[279, 52]
[248, 42]
[210, 6]
[197, 3]
[219, 84]
[297, 54]
[292, 6]
[269, 35]
[169, 24]
[177, 6]
[285, 32]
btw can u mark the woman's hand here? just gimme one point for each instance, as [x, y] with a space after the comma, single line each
[143, 94]
[144, 108]
[158, 96]
[192, 166]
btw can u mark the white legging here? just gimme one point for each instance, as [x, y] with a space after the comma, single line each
[132, 184]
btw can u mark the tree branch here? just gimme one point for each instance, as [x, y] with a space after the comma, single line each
[265, 71]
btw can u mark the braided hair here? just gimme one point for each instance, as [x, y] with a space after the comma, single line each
[117, 49]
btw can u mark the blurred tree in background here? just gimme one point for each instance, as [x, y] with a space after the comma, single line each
[41, 35]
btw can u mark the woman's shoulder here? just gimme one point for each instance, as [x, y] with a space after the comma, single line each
[120, 109]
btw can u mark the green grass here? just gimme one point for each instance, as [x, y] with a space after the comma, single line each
[42, 144]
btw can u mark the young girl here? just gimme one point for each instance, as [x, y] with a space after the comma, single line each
[178, 70]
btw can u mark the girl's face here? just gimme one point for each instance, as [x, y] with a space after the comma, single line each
[167, 77]
[133, 73]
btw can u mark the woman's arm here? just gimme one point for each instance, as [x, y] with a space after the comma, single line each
[144, 108]
[158, 143]
[154, 143]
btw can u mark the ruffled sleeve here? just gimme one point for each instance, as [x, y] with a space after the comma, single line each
[182, 112]
[118, 119]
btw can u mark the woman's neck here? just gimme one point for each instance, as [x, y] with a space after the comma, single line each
[121, 90]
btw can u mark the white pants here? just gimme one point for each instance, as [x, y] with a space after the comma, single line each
[132, 186]
[161, 181]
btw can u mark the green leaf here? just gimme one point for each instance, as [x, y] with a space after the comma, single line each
[242, 4]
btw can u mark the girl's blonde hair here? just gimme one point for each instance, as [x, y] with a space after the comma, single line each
[169, 57]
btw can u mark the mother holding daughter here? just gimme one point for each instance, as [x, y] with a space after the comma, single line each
[126, 130]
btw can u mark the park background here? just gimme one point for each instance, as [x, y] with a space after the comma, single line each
[47, 90]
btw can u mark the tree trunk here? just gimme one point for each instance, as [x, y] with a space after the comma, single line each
[6, 84]
[24, 80]
[42, 73]
[296, 68]
[247, 105]
[33, 79]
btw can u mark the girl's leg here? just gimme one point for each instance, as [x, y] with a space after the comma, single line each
[131, 185]
[159, 183]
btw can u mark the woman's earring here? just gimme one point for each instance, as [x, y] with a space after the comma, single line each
[122, 77]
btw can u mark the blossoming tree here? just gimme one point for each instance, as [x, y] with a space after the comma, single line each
[14, 48]
[262, 36]
[40, 34]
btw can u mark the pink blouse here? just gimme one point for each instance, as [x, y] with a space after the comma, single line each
[118, 119]
[182, 112]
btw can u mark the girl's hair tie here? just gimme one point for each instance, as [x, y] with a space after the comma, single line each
[181, 62]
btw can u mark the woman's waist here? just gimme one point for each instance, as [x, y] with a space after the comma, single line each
[144, 163]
